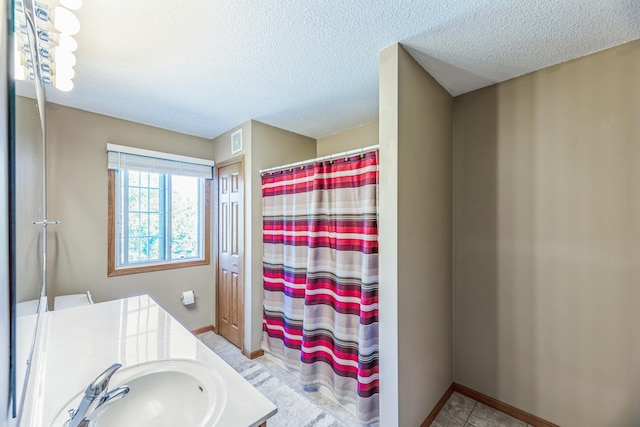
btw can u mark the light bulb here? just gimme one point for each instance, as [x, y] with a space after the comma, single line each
[63, 72]
[67, 43]
[65, 21]
[71, 4]
[64, 85]
[63, 57]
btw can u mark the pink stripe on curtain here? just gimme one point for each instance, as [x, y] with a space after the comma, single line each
[320, 276]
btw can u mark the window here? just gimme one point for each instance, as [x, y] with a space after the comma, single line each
[159, 213]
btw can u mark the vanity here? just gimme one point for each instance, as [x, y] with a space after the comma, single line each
[171, 374]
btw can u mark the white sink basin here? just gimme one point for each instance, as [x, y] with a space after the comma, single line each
[167, 393]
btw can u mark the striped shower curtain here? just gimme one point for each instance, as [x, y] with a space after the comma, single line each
[320, 270]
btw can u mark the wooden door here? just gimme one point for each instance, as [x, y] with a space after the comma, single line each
[230, 301]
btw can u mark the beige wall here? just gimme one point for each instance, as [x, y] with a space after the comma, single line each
[362, 136]
[547, 240]
[77, 175]
[415, 240]
[222, 144]
[264, 146]
[29, 190]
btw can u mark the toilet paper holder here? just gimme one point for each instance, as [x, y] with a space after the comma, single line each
[188, 297]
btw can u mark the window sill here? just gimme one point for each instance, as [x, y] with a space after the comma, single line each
[155, 267]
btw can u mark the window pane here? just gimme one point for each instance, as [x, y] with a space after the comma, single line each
[144, 217]
[154, 180]
[154, 248]
[154, 200]
[144, 224]
[154, 224]
[144, 249]
[144, 200]
[134, 225]
[134, 178]
[185, 222]
[134, 248]
[134, 197]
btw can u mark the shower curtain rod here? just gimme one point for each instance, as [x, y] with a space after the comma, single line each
[321, 158]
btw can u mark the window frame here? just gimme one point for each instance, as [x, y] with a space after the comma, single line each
[113, 270]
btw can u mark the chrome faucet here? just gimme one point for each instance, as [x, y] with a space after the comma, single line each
[96, 395]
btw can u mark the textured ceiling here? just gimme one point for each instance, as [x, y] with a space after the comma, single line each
[202, 67]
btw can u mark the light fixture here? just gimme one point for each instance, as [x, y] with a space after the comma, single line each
[65, 21]
[55, 25]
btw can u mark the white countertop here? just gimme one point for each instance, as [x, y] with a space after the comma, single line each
[82, 342]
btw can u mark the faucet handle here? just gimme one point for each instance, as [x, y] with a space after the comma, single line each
[114, 394]
[100, 384]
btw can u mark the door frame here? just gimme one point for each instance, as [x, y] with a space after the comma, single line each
[218, 166]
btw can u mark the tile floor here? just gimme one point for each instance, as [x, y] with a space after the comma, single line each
[459, 411]
[284, 389]
[346, 417]
[462, 411]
